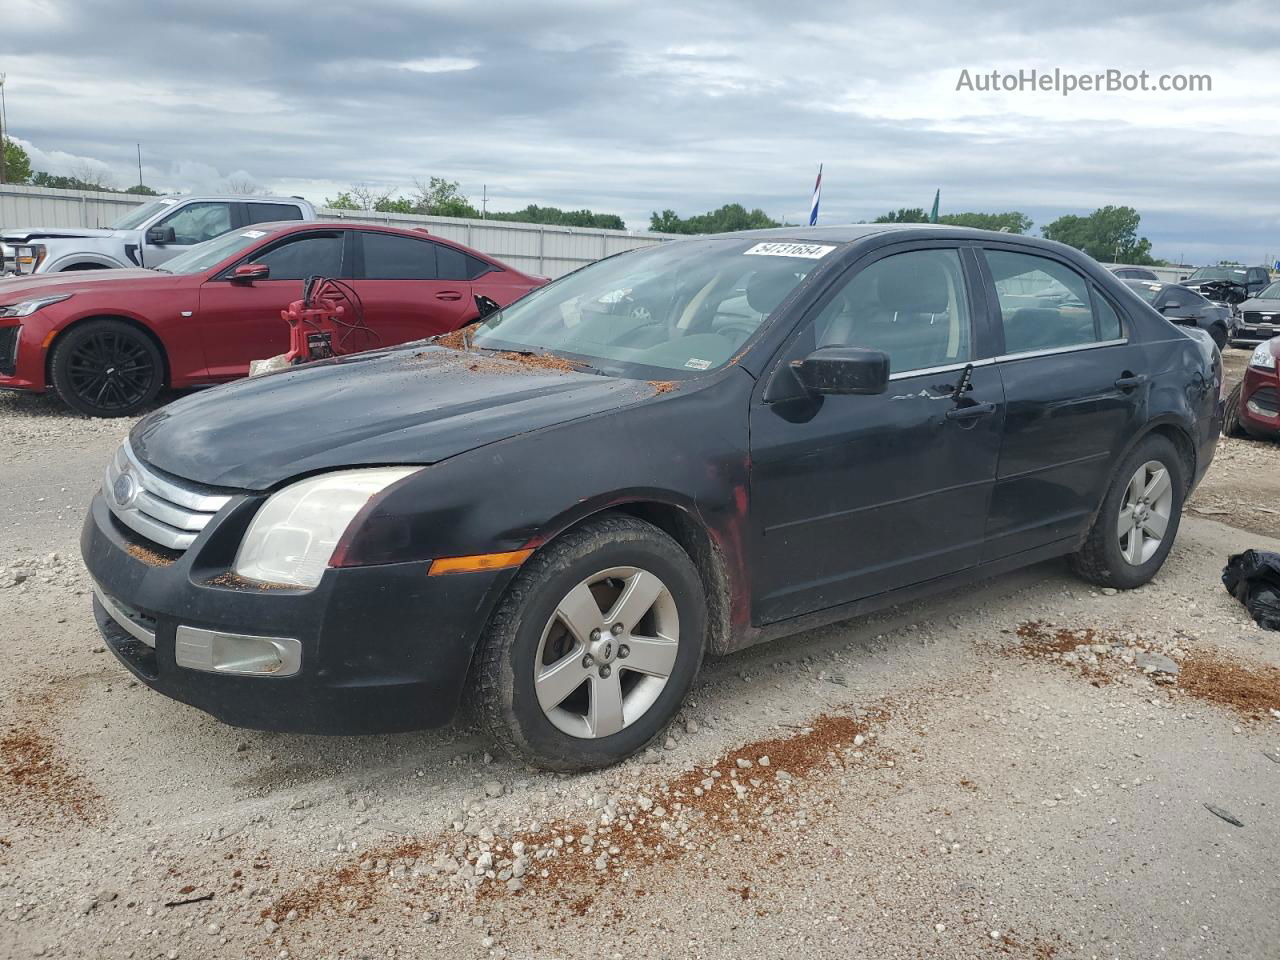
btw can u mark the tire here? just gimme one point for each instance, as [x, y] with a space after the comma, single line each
[1108, 557]
[106, 368]
[533, 630]
[1231, 414]
[1219, 334]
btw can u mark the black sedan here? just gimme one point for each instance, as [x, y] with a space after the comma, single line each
[560, 512]
[1184, 306]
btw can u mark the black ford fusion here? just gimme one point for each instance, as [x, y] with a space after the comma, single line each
[671, 453]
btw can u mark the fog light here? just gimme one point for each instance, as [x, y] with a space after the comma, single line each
[220, 652]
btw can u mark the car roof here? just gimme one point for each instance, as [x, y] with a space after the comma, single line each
[850, 232]
[238, 197]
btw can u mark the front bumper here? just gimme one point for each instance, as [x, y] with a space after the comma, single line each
[1254, 333]
[1260, 403]
[382, 648]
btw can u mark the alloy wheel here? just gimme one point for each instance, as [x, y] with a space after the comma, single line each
[607, 652]
[110, 370]
[1144, 513]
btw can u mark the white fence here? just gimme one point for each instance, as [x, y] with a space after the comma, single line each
[545, 250]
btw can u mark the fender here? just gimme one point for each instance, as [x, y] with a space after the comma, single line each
[71, 260]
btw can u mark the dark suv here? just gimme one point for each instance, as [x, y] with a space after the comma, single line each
[560, 511]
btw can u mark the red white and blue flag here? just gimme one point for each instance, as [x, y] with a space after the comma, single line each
[817, 196]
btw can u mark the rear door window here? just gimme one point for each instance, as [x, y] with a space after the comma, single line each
[271, 212]
[1044, 304]
[390, 257]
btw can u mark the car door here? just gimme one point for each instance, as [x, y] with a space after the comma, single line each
[240, 321]
[1074, 387]
[853, 496]
[191, 223]
[406, 296]
[1257, 280]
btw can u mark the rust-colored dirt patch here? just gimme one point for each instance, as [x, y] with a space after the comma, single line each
[662, 386]
[39, 782]
[152, 558]
[1252, 691]
[234, 581]
[569, 859]
[455, 340]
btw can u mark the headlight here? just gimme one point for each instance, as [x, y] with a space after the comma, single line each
[294, 534]
[1263, 357]
[26, 308]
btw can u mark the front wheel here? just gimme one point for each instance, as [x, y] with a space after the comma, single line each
[106, 368]
[1135, 528]
[1219, 334]
[1231, 414]
[594, 647]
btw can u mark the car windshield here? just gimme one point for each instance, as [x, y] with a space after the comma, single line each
[1234, 274]
[1271, 293]
[687, 306]
[202, 256]
[140, 215]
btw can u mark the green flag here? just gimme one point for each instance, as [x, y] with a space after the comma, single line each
[933, 214]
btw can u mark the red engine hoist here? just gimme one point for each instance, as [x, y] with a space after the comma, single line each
[319, 326]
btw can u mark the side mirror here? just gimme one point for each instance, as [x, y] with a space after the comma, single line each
[161, 235]
[843, 370]
[249, 272]
[1185, 276]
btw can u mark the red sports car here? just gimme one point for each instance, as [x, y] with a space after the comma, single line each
[1253, 409]
[107, 341]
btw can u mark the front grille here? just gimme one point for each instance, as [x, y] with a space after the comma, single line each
[1267, 400]
[163, 509]
[9, 349]
[1257, 316]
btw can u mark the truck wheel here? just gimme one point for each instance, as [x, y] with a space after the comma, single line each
[106, 368]
[594, 647]
[1135, 528]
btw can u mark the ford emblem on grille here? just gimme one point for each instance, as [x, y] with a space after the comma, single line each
[124, 489]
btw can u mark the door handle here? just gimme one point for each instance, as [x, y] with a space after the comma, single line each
[448, 295]
[1131, 380]
[971, 412]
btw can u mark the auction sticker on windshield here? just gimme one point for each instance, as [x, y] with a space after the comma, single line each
[811, 251]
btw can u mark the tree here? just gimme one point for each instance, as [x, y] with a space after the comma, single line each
[903, 215]
[732, 216]
[243, 186]
[439, 197]
[343, 201]
[1109, 234]
[1011, 222]
[17, 165]
[563, 218]
[143, 190]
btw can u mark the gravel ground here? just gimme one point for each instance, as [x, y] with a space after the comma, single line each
[1031, 768]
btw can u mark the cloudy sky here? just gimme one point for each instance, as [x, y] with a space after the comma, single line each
[632, 107]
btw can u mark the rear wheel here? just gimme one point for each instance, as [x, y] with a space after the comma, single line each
[1219, 334]
[1135, 528]
[594, 647]
[106, 368]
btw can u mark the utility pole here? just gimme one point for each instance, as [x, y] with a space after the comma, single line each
[3, 141]
[140, 165]
[484, 200]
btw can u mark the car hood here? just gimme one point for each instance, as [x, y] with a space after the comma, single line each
[418, 404]
[13, 289]
[27, 234]
[1262, 306]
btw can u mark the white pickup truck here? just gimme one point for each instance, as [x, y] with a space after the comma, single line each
[144, 237]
